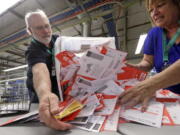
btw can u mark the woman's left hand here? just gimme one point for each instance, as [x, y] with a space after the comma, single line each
[135, 95]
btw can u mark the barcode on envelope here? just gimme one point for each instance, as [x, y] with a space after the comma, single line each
[96, 127]
[81, 119]
[84, 82]
[102, 88]
[88, 125]
[117, 64]
[84, 119]
[94, 55]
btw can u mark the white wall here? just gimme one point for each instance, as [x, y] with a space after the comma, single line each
[137, 22]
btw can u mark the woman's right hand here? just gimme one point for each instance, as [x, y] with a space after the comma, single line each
[132, 65]
[146, 63]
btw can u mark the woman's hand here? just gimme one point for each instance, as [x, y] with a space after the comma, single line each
[133, 65]
[146, 63]
[135, 95]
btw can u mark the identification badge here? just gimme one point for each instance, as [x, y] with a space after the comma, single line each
[53, 71]
[166, 65]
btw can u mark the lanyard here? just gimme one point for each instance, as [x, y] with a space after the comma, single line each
[50, 51]
[170, 44]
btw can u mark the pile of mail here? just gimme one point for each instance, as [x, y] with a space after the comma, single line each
[92, 73]
[92, 83]
[20, 118]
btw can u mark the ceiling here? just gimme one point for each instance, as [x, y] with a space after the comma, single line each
[66, 16]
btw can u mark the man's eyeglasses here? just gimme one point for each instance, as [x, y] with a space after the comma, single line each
[39, 28]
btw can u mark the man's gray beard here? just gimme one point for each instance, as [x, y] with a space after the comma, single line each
[45, 41]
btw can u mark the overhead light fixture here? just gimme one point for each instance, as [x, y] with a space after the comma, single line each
[13, 79]
[15, 68]
[6, 4]
[142, 38]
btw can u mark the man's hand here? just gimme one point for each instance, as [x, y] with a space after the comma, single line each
[48, 107]
[135, 95]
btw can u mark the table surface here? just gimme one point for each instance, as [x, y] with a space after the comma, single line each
[138, 129]
[36, 128]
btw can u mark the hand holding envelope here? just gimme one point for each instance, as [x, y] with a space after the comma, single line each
[47, 109]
